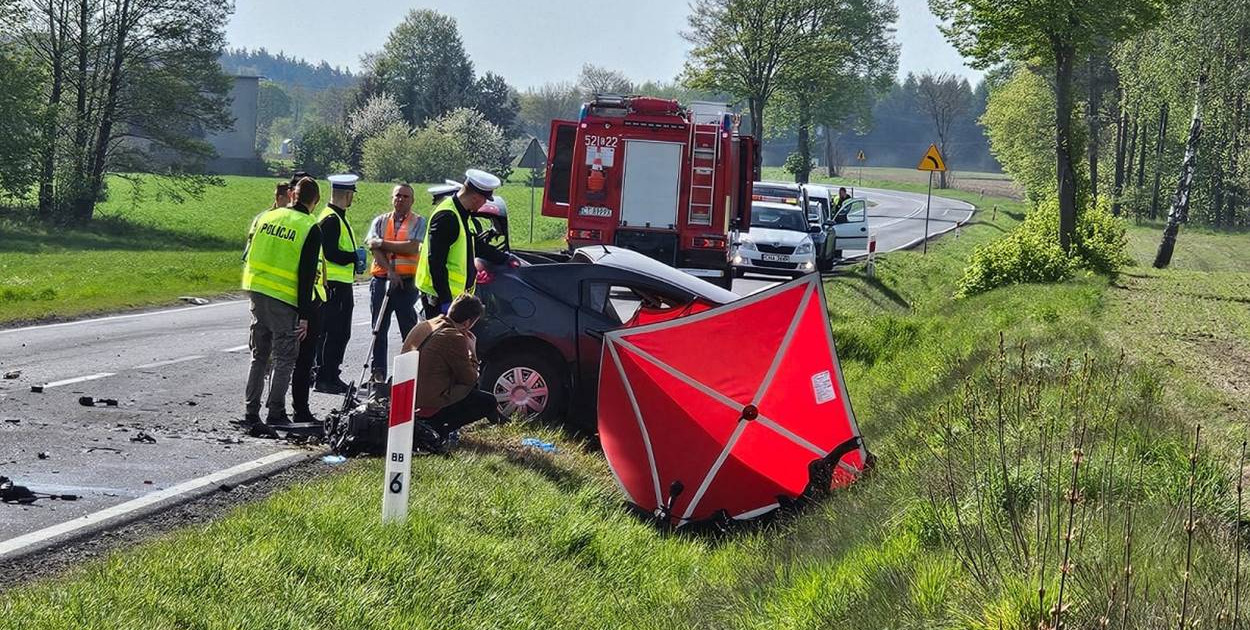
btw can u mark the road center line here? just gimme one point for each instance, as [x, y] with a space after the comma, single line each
[157, 364]
[237, 348]
[79, 379]
[14, 545]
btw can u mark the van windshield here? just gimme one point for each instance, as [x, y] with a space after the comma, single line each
[775, 218]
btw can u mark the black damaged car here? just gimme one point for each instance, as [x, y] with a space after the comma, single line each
[541, 337]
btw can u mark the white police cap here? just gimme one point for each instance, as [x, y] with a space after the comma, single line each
[482, 182]
[343, 182]
[441, 190]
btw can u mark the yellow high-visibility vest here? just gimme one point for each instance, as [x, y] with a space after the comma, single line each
[459, 277]
[347, 242]
[272, 265]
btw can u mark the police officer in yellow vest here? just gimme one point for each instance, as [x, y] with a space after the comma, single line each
[446, 267]
[344, 259]
[395, 240]
[280, 276]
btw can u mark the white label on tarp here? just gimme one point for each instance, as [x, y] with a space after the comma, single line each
[822, 385]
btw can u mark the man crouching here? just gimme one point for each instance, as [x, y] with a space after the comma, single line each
[447, 373]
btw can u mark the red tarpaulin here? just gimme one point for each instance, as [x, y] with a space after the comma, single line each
[727, 409]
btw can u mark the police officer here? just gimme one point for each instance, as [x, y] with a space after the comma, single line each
[344, 259]
[446, 266]
[279, 275]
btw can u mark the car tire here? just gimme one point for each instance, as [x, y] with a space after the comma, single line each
[824, 264]
[738, 273]
[512, 378]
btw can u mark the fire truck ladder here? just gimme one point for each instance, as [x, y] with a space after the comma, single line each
[704, 158]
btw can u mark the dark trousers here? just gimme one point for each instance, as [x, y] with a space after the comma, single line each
[402, 304]
[336, 330]
[302, 377]
[476, 406]
[429, 306]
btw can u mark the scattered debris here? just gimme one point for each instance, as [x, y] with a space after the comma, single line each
[21, 495]
[13, 374]
[143, 437]
[88, 401]
[147, 482]
[546, 447]
[103, 448]
[230, 440]
[334, 460]
[36, 389]
[198, 301]
[44, 455]
[225, 487]
[192, 403]
[12, 420]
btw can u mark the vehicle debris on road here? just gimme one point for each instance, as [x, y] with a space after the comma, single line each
[13, 374]
[144, 438]
[89, 401]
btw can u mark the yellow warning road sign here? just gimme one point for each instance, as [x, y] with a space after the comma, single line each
[861, 157]
[932, 160]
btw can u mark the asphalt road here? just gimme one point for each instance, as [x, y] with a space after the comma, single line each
[178, 377]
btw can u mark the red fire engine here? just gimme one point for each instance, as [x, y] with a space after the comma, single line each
[649, 175]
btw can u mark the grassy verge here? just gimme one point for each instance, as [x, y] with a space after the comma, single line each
[145, 251]
[501, 537]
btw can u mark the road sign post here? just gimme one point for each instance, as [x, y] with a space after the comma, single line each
[861, 158]
[399, 439]
[533, 159]
[933, 163]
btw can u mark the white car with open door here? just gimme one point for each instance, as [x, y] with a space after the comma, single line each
[850, 224]
[779, 242]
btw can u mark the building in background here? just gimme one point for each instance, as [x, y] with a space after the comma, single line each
[236, 148]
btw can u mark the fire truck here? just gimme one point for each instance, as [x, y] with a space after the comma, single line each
[652, 176]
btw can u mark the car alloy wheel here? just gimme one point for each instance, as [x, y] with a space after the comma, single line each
[521, 391]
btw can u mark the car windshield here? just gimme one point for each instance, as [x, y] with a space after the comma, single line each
[774, 218]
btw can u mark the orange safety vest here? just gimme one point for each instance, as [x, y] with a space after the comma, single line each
[404, 264]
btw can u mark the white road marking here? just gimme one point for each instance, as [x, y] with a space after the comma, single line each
[157, 364]
[79, 379]
[119, 317]
[237, 348]
[14, 545]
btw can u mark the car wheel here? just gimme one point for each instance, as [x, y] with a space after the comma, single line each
[738, 273]
[527, 385]
[824, 264]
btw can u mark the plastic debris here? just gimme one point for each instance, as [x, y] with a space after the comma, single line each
[143, 437]
[546, 447]
[13, 374]
[36, 389]
[89, 401]
[44, 455]
[334, 460]
[189, 299]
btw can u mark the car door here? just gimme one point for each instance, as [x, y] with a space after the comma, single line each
[851, 226]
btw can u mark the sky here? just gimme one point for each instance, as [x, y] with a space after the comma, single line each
[531, 42]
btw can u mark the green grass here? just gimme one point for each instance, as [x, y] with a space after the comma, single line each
[501, 537]
[146, 251]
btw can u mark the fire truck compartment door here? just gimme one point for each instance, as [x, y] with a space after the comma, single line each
[651, 190]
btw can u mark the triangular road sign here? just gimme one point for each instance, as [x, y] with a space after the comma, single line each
[861, 157]
[534, 156]
[932, 160]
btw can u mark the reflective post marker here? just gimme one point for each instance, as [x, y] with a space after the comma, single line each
[872, 255]
[399, 439]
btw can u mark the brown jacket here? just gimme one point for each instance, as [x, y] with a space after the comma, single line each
[448, 368]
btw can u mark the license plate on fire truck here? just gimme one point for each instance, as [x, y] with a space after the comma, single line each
[775, 258]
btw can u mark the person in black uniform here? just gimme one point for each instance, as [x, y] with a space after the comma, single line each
[445, 231]
[344, 259]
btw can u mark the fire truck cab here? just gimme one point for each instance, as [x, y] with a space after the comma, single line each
[650, 175]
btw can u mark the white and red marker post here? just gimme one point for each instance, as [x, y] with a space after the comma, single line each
[872, 256]
[399, 438]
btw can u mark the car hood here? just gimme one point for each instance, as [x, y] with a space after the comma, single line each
[780, 237]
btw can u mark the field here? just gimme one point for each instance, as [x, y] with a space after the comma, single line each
[973, 406]
[146, 251]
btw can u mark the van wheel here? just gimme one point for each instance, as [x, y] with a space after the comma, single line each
[527, 385]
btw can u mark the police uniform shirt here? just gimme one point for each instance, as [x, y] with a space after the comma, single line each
[330, 232]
